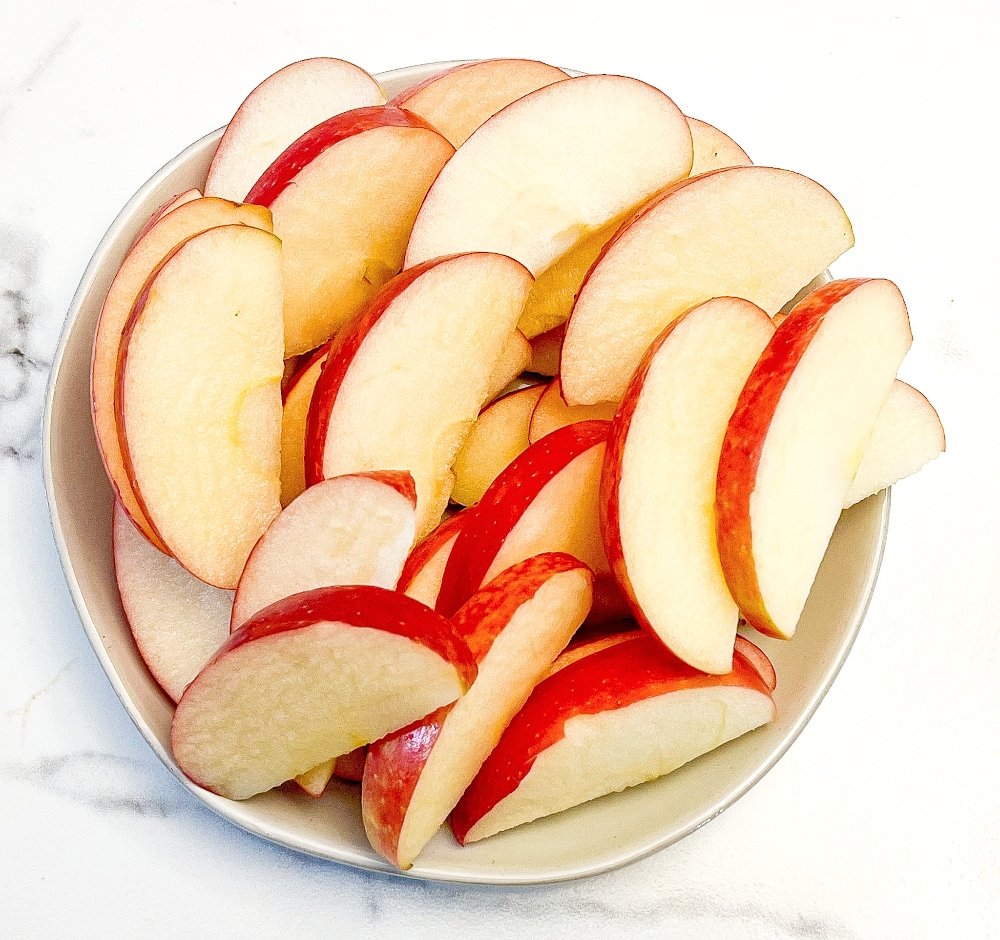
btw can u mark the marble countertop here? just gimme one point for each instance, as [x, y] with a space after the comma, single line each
[882, 820]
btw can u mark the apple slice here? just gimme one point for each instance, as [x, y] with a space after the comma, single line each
[714, 150]
[796, 439]
[545, 501]
[907, 434]
[177, 621]
[658, 486]
[780, 230]
[314, 781]
[344, 197]
[584, 646]
[311, 678]
[198, 399]
[624, 714]
[515, 627]
[354, 529]
[460, 99]
[424, 569]
[757, 658]
[546, 349]
[552, 413]
[404, 381]
[551, 168]
[296, 399]
[174, 202]
[169, 229]
[514, 359]
[498, 436]
[278, 111]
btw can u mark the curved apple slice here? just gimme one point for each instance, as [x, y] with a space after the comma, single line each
[344, 197]
[311, 678]
[509, 190]
[177, 621]
[176, 223]
[514, 359]
[174, 202]
[796, 439]
[498, 436]
[626, 713]
[552, 413]
[515, 627]
[406, 379]
[424, 569]
[658, 486]
[354, 529]
[278, 111]
[714, 150]
[780, 231]
[296, 399]
[757, 658]
[546, 348]
[460, 99]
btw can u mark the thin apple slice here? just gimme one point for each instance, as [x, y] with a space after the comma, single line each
[757, 658]
[498, 436]
[404, 381]
[311, 678]
[354, 529]
[198, 399]
[296, 399]
[515, 627]
[344, 197]
[552, 413]
[796, 439]
[714, 150]
[546, 350]
[752, 232]
[170, 228]
[907, 435]
[177, 621]
[174, 202]
[314, 781]
[584, 646]
[514, 359]
[551, 168]
[278, 111]
[621, 716]
[658, 486]
[457, 101]
[424, 569]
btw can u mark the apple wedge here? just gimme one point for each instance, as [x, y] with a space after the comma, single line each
[422, 573]
[796, 439]
[514, 359]
[546, 349]
[278, 111]
[349, 767]
[311, 678]
[174, 202]
[296, 399]
[176, 222]
[498, 436]
[907, 434]
[551, 168]
[515, 627]
[198, 398]
[344, 197]
[620, 716]
[714, 150]
[405, 380]
[757, 658]
[552, 413]
[752, 232]
[354, 529]
[658, 486]
[545, 501]
[457, 101]
[177, 621]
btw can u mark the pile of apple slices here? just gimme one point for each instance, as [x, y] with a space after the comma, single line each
[298, 375]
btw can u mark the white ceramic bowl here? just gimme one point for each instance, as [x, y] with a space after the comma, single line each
[592, 838]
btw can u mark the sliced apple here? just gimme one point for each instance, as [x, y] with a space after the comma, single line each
[460, 99]
[757, 658]
[515, 627]
[174, 202]
[552, 413]
[314, 781]
[354, 529]
[621, 716]
[404, 381]
[344, 197]
[278, 111]
[294, 414]
[551, 168]
[514, 359]
[311, 678]
[169, 229]
[424, 569]
[498, 436]
[198, 398]
[546, 349]
[796, 439]
[658, 486]
[752, 232]
[907, 434]
[177, 621]
[714, 150]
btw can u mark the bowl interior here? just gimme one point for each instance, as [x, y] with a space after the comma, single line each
[591, 838]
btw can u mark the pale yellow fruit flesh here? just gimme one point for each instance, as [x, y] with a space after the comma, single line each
[552, 413]
[294, 415]
[314, 781]
[713, 149]
[426, 584]
[514, 359]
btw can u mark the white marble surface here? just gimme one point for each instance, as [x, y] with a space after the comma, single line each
[882, 820]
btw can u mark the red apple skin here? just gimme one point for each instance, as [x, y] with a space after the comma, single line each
[428, 547]
[744, 443]
[351, 766]
[506, 500]
[757, 658]
[312, 143]
[610, 678]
